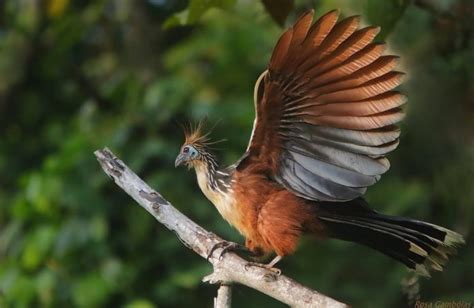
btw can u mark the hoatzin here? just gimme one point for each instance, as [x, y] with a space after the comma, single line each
[326, 116]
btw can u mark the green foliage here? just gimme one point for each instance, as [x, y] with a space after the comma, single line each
[195, 10]
[79, 75]
[385, 14]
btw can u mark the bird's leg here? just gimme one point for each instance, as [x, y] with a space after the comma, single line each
[227, 246]
[275, 260]
[269, 266]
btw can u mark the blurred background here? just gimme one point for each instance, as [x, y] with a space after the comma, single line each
[76, 76]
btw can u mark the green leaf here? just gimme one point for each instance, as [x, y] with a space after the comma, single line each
[195, 10]
[140, 303]
[90, 291]
[38, 246]
[384, 14]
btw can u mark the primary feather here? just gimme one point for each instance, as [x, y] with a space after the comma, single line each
[326, 109]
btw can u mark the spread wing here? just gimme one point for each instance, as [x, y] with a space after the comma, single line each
[326, 110]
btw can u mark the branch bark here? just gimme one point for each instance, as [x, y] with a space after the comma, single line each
[224, 296]
[227, 270]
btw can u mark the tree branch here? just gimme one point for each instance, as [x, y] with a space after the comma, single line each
[224, 297]
[230, 268]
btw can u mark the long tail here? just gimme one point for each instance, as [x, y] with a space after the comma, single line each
[419, 245]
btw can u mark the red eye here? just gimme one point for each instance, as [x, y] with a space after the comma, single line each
[186, 150]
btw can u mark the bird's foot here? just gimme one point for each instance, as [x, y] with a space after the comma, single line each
[226, 246]
[269, 267]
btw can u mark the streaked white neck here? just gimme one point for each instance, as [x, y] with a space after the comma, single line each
[223, 201]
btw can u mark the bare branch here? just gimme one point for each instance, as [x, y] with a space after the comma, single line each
[224, 297]
[230, 268]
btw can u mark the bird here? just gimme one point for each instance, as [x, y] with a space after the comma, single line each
[326, 116]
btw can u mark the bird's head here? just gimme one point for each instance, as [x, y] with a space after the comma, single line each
[194, 150]
[189, 155]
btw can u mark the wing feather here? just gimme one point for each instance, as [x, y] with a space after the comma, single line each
[371, 88]
[360, 39]
[373, 105]
[281, 49]
[327, 111]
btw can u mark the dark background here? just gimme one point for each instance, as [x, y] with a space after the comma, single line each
[76, 76]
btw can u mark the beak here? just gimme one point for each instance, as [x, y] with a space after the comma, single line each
[179, 160]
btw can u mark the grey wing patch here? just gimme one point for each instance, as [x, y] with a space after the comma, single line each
[333, 164]
[305, 180]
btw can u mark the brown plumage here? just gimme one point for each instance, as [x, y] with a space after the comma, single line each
[326, 116]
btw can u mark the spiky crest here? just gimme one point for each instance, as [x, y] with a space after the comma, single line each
[194, 135]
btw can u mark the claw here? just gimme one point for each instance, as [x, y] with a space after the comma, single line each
[226, 247]
[277, 271]
[268, 267]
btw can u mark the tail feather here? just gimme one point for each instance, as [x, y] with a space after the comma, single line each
[392, 246]
[421, 246]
